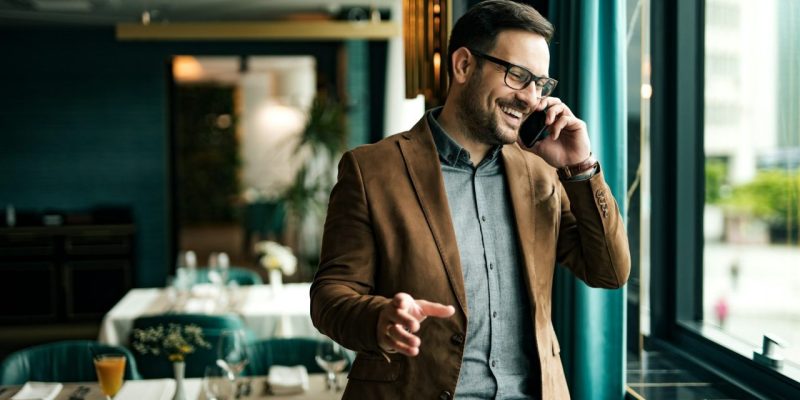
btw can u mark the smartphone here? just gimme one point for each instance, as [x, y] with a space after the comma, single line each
[534, 129]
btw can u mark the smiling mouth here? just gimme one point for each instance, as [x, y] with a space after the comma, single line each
[511, 112]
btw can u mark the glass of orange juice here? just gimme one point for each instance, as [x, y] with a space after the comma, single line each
[110, 372]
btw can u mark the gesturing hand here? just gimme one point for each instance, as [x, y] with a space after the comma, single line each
[401, 318]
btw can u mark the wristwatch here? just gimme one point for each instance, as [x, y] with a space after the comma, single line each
[588, 165]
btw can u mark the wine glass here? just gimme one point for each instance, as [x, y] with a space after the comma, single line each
[331, 357]
[110, 370]
[217, 384]
[232, 352]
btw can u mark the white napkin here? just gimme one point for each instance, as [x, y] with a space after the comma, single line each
[150, 389]
[200, 306]
[38, 391]
[288, 380]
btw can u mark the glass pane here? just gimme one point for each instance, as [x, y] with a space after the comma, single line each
[751, 271]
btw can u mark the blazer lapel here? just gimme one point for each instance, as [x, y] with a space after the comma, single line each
[422, 163]
[519, 178]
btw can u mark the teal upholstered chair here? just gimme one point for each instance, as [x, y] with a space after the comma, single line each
[242, 276]
[67, 361]
[151, 366]
[285, 351]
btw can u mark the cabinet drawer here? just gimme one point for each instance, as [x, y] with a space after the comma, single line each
[29, 291]
[97, 244]
[91, 288]
[26, 244]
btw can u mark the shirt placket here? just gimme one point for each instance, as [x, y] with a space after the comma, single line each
[490, 261]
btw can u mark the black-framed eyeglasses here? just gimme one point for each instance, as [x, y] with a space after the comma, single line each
[519, 78]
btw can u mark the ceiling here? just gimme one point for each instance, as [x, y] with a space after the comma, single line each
[111, 12]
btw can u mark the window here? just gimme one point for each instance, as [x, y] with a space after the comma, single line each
[751, 250]
[724, 200]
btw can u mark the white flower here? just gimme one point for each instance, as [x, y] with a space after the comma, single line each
[276, 256]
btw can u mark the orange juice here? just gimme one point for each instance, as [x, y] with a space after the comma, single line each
[110, 370]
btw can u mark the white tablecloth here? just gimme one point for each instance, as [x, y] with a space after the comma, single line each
[163, 389]
[267, 314]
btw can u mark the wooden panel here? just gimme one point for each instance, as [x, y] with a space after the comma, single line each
[280, 30]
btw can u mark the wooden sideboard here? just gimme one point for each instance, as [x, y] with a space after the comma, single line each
[63, 273]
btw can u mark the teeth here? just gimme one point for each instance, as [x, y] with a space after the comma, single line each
[512, 111]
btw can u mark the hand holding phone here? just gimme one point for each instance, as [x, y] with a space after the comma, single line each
[534, 128]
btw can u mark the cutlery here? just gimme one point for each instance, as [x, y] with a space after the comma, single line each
[79, 393]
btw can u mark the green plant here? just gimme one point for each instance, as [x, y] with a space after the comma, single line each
[176, 341]
[772, 195]
[716, 179]
[322, 143]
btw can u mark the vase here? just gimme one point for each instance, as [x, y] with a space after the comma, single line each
[276, 280]
[179, 369]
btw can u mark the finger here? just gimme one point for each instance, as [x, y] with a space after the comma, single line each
[438, 310]
[408, 321]
[547, 102]
[557, 110]
[399, 334]
[401, 341]
[557, 126]
[403, 300]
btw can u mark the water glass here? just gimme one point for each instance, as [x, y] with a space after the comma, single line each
[232, 351]
[331, 357]
[217, 384]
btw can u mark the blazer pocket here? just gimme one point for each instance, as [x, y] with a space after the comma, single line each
[368, 367]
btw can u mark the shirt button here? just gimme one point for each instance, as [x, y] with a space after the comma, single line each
[445, 395]
[491, 266]
[494, 314]
[457, 339]
[483, 218]
[494, 364]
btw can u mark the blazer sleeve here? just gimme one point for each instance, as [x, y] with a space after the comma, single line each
[592, 241]
[341, 305]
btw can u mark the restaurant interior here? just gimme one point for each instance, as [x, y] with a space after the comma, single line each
[165, 166]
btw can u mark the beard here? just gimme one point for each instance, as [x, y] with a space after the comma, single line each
[482, 125]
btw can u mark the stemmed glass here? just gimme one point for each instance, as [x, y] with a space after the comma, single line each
[110, 370]
[217, 383]
[232, 352]
[331, 357]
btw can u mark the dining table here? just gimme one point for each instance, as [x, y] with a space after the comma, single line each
[164, 389]
[266, 311]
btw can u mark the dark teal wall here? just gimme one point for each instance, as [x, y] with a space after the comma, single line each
[84, 122]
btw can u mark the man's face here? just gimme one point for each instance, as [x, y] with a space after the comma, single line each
[492, 111]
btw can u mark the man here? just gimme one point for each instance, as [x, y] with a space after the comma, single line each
[440, 243]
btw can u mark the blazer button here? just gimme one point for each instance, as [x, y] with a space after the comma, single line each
[457, 339]
[445, 395]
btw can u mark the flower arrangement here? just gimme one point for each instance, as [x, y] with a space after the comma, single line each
[176, 341]
[274, 256]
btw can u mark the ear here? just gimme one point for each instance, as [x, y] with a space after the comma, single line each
[463, 64]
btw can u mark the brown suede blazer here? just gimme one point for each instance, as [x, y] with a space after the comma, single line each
[389, 230]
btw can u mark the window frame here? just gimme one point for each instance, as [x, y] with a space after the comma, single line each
[677, 201]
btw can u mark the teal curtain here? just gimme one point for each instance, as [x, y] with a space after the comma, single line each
[588, 59]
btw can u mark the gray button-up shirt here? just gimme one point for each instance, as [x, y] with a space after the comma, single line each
[499, 343]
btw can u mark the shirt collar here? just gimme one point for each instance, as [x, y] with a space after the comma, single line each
[450, 152]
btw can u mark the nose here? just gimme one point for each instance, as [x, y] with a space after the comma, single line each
[528, 95]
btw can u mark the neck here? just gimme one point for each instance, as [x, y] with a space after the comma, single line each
[455, 128]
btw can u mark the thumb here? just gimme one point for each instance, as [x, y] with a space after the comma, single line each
[438, 310]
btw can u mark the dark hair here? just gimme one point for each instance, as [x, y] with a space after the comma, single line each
[479, 26]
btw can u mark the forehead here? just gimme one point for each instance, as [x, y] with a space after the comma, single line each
[523, 48]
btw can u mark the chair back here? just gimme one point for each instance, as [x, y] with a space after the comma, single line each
[65, 361]
[158, 366]
[285, 351]
[240, 275]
